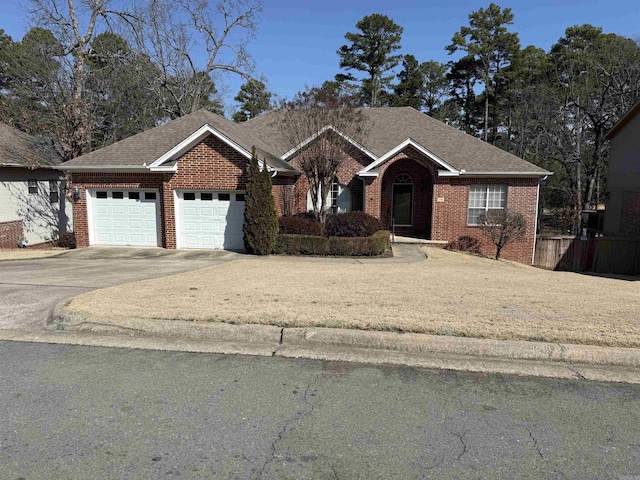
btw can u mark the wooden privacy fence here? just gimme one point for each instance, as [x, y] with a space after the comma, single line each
[591, 254]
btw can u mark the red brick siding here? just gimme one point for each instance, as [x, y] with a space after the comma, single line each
[210, 165]
[450, 216]
[85, 180]
[422, 192]
[352, 162]
[11, 234]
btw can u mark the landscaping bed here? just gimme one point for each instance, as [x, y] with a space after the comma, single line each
[448, 294]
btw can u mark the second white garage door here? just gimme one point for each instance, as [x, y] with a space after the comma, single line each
[210, 220]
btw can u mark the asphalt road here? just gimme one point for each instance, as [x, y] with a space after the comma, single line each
[84, 412]
[31, 289]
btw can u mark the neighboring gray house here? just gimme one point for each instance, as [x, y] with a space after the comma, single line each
[622, 213]
[33, 208]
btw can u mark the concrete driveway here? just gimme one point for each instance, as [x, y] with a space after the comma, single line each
[30, 290]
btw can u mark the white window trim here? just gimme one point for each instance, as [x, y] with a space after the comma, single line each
[486, 192]
[328, 202]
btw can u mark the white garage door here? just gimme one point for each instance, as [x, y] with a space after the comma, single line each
[211, 220]
[125, 217]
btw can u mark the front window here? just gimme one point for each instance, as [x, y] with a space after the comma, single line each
[54, 192]
[338, 199]
[33, 186]
[483, 198]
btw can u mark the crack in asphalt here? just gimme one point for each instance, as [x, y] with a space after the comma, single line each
[460, 437]
[535, 441]
[289, 423]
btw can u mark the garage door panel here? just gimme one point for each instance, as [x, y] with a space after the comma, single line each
[124, 221]
[207, 222]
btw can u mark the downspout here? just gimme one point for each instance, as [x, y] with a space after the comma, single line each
[535, 229]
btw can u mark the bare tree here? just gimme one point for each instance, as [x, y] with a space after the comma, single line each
[503, 227]
[323, 127]
[193, 42]
[73, 24]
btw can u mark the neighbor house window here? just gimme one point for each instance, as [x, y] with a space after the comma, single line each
[338, 199]
[483, 198]
[33, 186]
[54, 192]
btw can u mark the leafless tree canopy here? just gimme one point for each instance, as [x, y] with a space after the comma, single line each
[503, 227]
[193, 42]
[321, 125]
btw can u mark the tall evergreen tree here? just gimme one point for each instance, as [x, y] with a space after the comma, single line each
[372, 51]
[260, 219]
[487, 40]
[254, 99]
[410, 87]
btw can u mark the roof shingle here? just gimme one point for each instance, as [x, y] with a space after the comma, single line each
[23, 150]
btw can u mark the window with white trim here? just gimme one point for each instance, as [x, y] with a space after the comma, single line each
[54, 191]
[483, 198]
[32, 186]
[338, 199]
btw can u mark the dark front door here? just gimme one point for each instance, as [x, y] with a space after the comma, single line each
[403, 204]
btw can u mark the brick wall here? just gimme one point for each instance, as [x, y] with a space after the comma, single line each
[86, 180]
[11, 234]
[210, 165]
[450, 215]
[352, 162]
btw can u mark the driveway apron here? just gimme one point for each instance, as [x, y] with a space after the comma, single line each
[30, 290]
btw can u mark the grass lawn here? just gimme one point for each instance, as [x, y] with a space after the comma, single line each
[29, 253]
[448, 294]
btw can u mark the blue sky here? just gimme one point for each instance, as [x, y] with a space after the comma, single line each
[297, 40]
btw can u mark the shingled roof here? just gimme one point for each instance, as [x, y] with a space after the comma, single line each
[144, 148]
[387, 129]
[19, 149]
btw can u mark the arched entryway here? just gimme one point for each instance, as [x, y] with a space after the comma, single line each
[402, 201]
[407, 197]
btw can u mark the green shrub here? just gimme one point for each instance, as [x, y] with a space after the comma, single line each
[301, 244]
[376, 244]
[260, 225]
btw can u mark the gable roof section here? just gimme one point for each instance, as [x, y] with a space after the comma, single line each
[388, 129]
[630, 115]
[159, 146]
[19, 149]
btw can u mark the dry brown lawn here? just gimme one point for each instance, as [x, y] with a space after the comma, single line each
[28, 253]
[448, 294]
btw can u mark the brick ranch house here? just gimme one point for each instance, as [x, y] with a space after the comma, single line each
[182, 184]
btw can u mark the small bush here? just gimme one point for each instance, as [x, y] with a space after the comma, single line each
[299, 225]
[375, 244]
[352, 224]
[66, 240]
[301, 244]
[465, 244]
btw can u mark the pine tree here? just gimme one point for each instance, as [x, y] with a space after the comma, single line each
[260, 219]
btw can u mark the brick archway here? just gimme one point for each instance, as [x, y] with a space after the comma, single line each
[421, 201]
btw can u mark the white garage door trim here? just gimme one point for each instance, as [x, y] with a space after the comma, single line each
[91, 223]
[231, 239]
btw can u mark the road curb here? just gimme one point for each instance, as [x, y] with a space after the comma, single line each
[476, 347]
[285, 341]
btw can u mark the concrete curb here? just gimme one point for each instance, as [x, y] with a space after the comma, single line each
[476, 347]
[267, 336]
[310, 342]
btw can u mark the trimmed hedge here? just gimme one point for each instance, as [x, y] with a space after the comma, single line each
[301, 244]
[375, 244]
